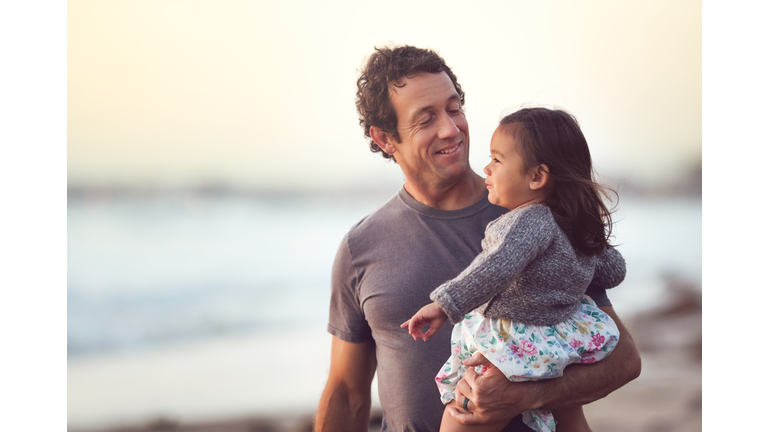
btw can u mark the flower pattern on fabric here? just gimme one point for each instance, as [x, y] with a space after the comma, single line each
[528, 352]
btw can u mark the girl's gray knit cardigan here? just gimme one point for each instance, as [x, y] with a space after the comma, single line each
[527, 272]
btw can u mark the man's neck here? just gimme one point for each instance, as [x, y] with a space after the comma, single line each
[467, 191]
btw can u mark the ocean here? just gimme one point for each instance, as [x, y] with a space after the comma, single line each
[180, 275]
[150, 271]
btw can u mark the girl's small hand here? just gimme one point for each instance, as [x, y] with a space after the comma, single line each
[431, 315]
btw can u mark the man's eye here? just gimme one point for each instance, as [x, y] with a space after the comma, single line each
[426, 121]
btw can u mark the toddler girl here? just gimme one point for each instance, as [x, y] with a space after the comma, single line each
[521, 302]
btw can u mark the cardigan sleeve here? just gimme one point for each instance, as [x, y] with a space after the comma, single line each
[510, 244]
[610, 268]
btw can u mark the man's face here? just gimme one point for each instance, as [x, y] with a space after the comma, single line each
[434, 135]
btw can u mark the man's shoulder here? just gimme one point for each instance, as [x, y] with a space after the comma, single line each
[379, 219]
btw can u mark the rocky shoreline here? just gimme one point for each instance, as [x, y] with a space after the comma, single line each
[667, 397]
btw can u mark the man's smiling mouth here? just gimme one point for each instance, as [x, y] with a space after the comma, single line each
[449, 150]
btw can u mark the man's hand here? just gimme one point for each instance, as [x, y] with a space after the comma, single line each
[431, 315]
[492, 397]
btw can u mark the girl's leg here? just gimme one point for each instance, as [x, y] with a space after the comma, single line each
[449, 425]
[571, 420]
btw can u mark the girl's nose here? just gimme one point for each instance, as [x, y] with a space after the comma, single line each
[487, 169]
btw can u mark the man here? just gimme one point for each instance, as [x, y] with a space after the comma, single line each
[411, 106]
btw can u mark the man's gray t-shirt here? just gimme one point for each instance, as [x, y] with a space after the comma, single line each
[385, 269]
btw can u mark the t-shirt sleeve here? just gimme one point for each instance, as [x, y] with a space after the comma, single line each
[346, 320]
[598, 295]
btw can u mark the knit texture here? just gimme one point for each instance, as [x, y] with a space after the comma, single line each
[527, 272]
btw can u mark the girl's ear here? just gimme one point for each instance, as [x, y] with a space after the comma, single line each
[539, 177]
[383, 140]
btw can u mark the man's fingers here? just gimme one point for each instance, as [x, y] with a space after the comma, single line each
[466, 402]
[477, 360]
[462, 417]
[467, 381]
[464, 386]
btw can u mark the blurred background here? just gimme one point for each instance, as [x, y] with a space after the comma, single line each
[214, 162]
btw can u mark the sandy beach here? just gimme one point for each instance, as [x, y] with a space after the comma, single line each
[667, 397]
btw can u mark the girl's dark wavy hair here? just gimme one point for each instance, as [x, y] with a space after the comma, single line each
[554, 138]
[384, 69]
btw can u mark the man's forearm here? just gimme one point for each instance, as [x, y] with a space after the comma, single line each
[582, 384]
[345, 404]
[340, 412]
[493, 398]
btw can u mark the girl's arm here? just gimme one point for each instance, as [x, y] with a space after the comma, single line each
[510, 244]
[610, 269]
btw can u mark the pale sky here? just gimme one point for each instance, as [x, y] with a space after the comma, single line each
[262, 93]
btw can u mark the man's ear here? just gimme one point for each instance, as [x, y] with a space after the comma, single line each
[539, 176]
[383, 140]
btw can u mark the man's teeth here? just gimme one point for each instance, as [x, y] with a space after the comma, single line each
[450, 150]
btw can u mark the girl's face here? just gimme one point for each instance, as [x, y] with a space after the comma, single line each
[509, 184]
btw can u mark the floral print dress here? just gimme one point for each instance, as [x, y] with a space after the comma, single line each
[529, 352]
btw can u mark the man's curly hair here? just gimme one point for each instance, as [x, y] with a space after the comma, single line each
[384, 70]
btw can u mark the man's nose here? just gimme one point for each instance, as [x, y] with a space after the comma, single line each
[448, 128]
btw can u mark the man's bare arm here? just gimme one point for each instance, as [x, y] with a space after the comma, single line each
[345, 404]
[493, 397]
[582, 384]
